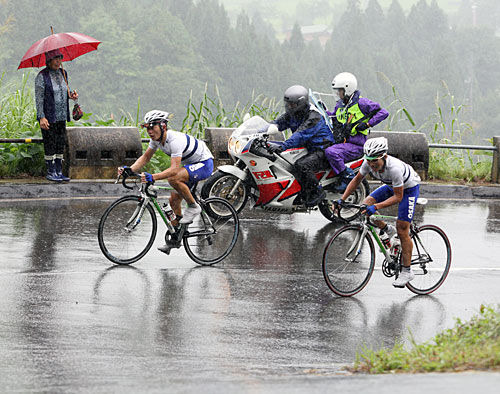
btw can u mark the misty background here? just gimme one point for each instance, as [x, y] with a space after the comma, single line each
[440, 60]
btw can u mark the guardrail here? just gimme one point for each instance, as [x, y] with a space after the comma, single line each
[495, 168]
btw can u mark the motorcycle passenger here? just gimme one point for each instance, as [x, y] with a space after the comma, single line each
[401, 186]
[191, 161]
[349, 109]
[310, 131]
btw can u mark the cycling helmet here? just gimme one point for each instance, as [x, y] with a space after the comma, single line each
[156, 116]
[296, 100]
[345, 81]
[375, 148]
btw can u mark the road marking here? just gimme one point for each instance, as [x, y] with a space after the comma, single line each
[61, 198]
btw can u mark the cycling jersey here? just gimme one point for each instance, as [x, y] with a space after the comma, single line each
[190, 149]
[396, 173]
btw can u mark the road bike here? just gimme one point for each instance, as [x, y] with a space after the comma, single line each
[349, 255]
[128, 227]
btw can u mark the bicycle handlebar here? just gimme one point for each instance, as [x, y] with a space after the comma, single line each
[127, 172]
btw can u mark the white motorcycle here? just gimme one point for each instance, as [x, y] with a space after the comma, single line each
[268, 178]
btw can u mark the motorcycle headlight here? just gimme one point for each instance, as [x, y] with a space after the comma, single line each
[230, 145]
[238, 147]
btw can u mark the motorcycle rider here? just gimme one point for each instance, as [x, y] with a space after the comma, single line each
[310, 131]
[401, 186]
[350, 108]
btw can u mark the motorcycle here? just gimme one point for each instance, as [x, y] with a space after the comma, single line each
[267, 179]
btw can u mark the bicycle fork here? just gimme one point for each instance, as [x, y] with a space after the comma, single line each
[356, 245]
[136, 217]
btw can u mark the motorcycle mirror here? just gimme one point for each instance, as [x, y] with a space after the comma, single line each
[246, 117]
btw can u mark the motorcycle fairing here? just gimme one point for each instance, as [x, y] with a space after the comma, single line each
[269, 191]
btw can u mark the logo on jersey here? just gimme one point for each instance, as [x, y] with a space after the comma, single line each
[411, 207]
[196, 166]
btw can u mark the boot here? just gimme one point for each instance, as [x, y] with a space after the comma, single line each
[51, 171]
[315, 197]
[58, 167]
[345, 177]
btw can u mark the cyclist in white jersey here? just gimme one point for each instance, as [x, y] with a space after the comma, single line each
[191, 161]
[401, 186]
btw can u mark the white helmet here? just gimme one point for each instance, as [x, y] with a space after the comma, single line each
[345, 81]
[157, 116]
[375, 148]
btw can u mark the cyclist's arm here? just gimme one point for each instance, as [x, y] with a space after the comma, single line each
[143, 160]
[395, 199]
[353, 185]
[175, 164]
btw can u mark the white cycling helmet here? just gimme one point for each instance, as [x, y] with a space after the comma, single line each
[375, 148]
[345, 81]
[157, 116]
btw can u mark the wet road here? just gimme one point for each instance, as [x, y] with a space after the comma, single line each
[73, 321]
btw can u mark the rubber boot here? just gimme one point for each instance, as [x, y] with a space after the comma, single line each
[58, 167]
[51, 171]
[315, 197]
[345, 176]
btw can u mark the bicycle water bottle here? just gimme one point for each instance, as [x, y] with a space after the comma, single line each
[386, 241]
[168, 211]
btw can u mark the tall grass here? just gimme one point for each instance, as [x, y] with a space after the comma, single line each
[18, 120]
[444, 126]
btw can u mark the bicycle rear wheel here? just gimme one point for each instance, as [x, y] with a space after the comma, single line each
[127, 230]
[348, 261]
[211, 237]
[430, 259]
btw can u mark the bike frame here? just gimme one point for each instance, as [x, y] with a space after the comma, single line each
[368, 226]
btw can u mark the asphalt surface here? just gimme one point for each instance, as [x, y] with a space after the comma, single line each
[261, 321]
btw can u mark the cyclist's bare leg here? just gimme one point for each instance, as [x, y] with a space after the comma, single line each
[403, 229]
[370, 201]
[179, 182]
[175, 203]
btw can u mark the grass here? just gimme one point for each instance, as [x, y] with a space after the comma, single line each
[474, 344]
[444, 126]
[18, 120]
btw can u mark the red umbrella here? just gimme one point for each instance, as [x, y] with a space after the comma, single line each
[71, 45]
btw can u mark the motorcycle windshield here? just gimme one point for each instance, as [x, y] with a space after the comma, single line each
[253, 125]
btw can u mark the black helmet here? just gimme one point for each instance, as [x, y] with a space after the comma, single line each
[296, 100]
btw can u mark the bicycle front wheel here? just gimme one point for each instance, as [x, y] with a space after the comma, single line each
[127, 230]
[430, 259]
[348, 261]
[211, 237]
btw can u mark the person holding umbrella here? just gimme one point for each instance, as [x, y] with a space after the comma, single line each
[52, 91]
[52, 96]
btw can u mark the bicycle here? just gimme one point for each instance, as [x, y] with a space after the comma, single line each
[349, 256]
[128, 227]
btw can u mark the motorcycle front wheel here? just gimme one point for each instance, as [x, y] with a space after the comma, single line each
[221, 185]
[357, 197]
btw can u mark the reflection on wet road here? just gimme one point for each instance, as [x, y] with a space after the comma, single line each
[72, 319]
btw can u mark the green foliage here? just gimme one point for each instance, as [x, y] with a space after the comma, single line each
[474, 344]
[18, 120]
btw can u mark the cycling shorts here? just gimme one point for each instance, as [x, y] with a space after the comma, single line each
[406, 207]
[199, 171]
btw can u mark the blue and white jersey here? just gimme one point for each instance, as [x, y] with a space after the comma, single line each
[177, 144]
[396, 173]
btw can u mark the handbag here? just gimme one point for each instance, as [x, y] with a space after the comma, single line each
[77, 112]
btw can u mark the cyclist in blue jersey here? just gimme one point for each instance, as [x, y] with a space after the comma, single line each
[401, 186]
[191, 161]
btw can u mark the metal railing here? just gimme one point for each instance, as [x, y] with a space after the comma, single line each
[495, 168]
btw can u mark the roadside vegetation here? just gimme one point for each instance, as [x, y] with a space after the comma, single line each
[474, 344]
[18, 120]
